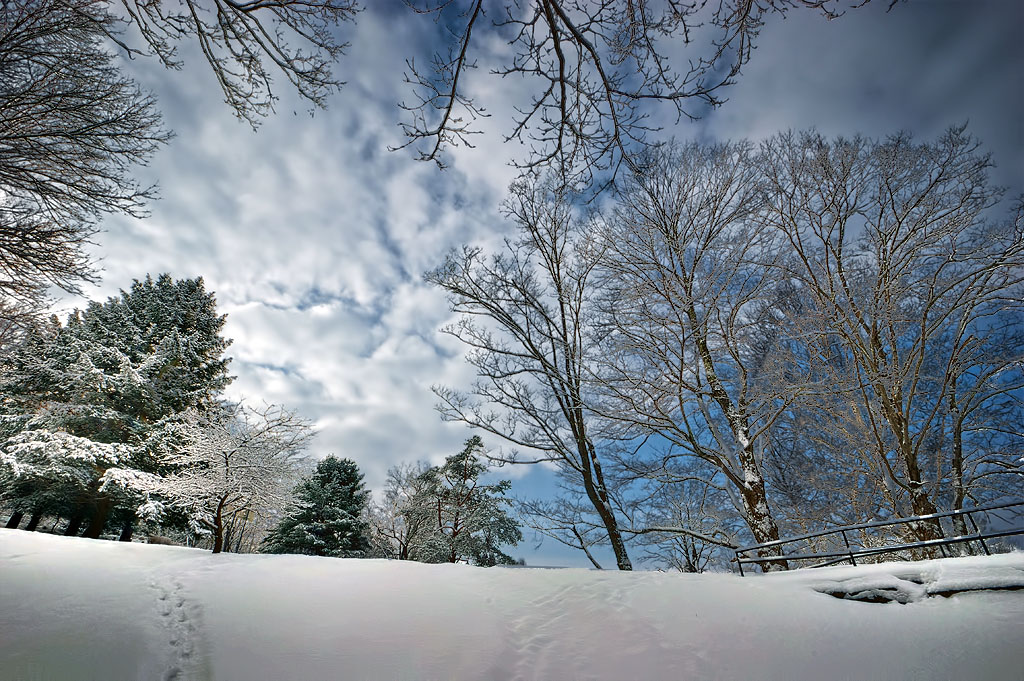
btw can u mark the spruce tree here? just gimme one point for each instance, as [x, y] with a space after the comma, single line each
[110, 374]
[328, 518]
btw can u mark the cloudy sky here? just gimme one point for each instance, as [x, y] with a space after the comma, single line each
[314, 236]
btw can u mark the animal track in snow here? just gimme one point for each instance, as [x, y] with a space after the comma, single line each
[174, 611]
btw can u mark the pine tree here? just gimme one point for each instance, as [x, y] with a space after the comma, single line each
[329, 517]
[469, 516]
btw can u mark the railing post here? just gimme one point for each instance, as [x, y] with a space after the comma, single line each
[848, 549]
[942, 536]
[739, 563]
[977, 530]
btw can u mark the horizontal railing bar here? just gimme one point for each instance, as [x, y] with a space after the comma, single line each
[829, 563]
[880, 523]
[795, 556]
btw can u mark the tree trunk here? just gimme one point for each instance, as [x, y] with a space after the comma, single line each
[74, 524]
[15, 520]
[758, 514]
[957, 474]
[921, 504]
[925, 530]
[127, 529]
[593, 483]
[218, 527]
[229, 536]
[99, 517]
[920, 501]
[33, 522]
[241, 536]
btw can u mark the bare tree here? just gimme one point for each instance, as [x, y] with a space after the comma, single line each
[982, 432]
[397, 530]
[223, 465]
[688, 525]
[597, 67]
[823, 469]
[897, 248]
[73, 126]
[696, 351]
[569, 519]
[526, 317]
[246, 43]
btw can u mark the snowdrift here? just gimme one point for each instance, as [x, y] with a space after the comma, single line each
[80, 609]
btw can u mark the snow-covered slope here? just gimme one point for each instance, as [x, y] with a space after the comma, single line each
[79, 609]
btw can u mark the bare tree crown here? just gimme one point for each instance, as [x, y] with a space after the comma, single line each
[595, 68]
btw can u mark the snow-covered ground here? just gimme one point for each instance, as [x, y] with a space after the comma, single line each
[81, 609]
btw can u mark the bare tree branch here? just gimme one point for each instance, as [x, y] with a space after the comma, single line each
[597, 65]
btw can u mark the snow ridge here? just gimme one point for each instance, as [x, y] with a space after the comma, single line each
[914, 582]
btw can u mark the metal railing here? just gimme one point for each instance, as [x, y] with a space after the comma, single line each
[855, 548]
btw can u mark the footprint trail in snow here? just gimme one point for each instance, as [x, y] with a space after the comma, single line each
[180, 619]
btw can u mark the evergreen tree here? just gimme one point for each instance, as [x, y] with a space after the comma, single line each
[470, 517]
[329, 517]
[110, 375]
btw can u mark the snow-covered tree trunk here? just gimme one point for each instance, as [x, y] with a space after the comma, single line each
[758, 514]
[597, 492]
[956, 472]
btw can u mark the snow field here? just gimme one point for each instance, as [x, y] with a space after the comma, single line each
[81, 609]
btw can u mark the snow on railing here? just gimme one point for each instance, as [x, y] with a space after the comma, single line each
[850, 549]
